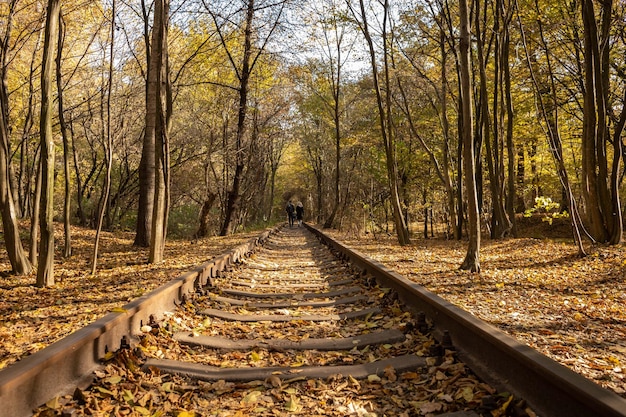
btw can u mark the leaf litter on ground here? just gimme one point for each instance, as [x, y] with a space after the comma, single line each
[537, 290]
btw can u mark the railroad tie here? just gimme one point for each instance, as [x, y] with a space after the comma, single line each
[405, 363]
[211, 312]
[323, 344]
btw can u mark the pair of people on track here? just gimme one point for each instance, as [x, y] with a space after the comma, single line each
[295, 213]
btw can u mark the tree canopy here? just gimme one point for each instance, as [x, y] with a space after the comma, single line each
[451, 118]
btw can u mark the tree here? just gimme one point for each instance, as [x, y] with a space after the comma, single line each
[471, 261]
[384, 113]
[107, 143]
[244, 38]
[146, 165]
[17, 256]
[546, 93]
[158, 123]
[334, 33]
[45, 266]
[600, 188]
[67, 202]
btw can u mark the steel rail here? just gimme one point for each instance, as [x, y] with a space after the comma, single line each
[550, 388]
[70, 362]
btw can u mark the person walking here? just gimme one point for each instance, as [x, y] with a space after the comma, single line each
[290, 212]
[299, 212]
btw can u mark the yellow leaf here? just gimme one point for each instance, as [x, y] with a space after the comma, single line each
[53, 403]
[373, 378]
[502, 410]
[141, 410]
[251, 397]
[255, 357]
[129, 397]
[105, 391]
[119, 310]
[184, 413]
[293, 404]
[113, 380]
[467, 393]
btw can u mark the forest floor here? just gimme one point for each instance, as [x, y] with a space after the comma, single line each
[32, 318]
[537, 289]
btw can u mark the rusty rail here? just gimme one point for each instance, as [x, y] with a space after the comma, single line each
[70, 362]
[550, 388]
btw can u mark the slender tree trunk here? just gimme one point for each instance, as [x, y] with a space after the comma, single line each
[234, 195]
[549, 113]
[450, 192]
[490, 128]
[45, 266]
[163, 110]
[35, 215]
[146, 165]
[471, 261]
[384, 119]
[67, 205]
[337, 91]
[520, 179]
[24, 179]
[107, 143]
[17, 256]
[511, 193]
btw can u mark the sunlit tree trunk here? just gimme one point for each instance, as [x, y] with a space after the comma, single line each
[161, 95]
[471, 261]
[45, 265]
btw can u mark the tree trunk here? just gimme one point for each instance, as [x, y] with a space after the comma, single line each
[35, 215]
[336, 86]
[203, 228]
[67, 205]
[107, 143]
[146, 165]
[384, 120]
[45, 266]
[491, 132]
[600, 189]
[549, 113]
[234, 198]
[511, 193]
[159, 56]
[20, 264]
[471, 261]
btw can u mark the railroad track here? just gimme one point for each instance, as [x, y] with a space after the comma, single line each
[285, 328]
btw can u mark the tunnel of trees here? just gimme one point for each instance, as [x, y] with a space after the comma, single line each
[193, 117]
